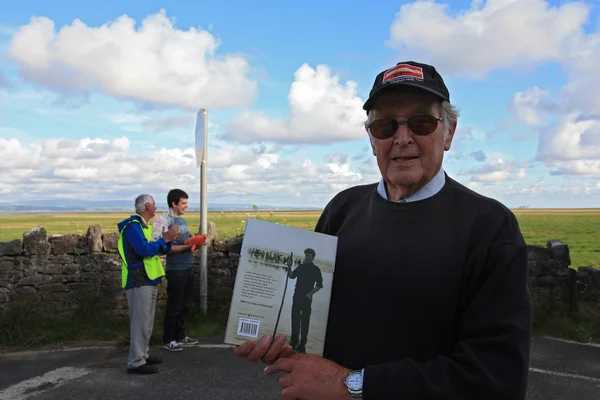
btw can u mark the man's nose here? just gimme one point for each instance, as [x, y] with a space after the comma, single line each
[403, 135]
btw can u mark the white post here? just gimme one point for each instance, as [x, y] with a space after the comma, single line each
[204, 220]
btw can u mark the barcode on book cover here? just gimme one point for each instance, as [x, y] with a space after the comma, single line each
[248, 327]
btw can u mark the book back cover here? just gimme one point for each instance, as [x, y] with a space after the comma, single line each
[283, 285]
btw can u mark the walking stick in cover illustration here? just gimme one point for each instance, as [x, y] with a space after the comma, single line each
[287, 274]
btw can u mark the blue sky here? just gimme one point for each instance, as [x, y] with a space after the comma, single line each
[92, 108]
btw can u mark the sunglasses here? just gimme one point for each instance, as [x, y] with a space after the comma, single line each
[421, 124]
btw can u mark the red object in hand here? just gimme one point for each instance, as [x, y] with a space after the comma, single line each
[196, 241]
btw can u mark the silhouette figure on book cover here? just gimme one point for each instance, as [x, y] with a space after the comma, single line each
[308, 282]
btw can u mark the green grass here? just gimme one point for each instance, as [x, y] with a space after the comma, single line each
[22, 328]
[580, 229]
[583, 326]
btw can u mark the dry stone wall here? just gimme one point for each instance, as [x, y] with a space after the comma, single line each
[65, 273]
[61, 273]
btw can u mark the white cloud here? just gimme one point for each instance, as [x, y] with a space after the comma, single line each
[571, 147]
[550, 193]
[125, 118]
[153, 63]
[16, 157]
[543, 188]
[497, 170]
[491, 34]
[148, 123]
[574, 139]
[94, 168]
[521, 174]
[530, 104]
[323, 110]
[470, 133]
[581, 60]
[520, 35]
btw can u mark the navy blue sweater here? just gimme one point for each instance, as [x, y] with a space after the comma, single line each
[430, 297]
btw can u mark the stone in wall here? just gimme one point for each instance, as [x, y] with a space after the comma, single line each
[11, 270]
[94, 238]
[12, 248]
[588, 284]
[26, 295]
[110, 242]
[222, 260]
[212, 234]
[233, 245]
[35, 242]
[548, 279]
[68, 244]
[4, 297]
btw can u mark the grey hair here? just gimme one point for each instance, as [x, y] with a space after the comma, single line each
[448, 112]
[140, 202]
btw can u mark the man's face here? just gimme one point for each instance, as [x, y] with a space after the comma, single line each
[308, 257]
[408, 161]
[181, 207]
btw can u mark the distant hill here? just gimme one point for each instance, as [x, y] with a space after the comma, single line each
[56, 206]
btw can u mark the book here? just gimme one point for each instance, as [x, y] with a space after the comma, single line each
[270, 297]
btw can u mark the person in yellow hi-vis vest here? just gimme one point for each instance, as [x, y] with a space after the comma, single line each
[142, 272]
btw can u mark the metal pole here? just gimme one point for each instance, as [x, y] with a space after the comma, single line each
[203, 220]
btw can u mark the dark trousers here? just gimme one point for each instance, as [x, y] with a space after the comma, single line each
[301, 309]
[180, 293]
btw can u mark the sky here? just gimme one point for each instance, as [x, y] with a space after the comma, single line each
[100, 102]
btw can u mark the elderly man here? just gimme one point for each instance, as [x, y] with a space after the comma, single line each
[439, 305]
[142, 272]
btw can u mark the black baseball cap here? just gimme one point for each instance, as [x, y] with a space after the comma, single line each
[408, 73]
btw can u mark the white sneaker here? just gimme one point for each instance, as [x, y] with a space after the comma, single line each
[173, 346]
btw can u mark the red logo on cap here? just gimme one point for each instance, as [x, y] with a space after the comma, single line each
[403, 70]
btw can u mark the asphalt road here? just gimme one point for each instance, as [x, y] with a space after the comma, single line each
[559, 371]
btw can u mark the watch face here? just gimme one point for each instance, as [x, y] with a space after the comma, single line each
[354, 381]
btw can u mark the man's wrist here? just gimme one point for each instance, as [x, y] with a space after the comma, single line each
[354, 383]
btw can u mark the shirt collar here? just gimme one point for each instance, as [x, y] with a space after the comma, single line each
[432, 187]
[143, 220]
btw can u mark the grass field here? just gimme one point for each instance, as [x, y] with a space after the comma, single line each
[579, 228]
[21, 328]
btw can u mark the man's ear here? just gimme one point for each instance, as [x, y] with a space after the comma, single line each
[448, 139]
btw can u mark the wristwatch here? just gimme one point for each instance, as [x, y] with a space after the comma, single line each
[354, 383]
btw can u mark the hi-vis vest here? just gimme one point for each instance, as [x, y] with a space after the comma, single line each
[154, 268]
